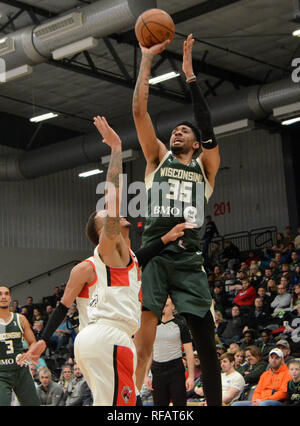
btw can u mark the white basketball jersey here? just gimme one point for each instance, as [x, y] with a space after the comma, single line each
[117, 295]
[83, 299]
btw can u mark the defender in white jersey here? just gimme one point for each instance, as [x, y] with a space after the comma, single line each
[114, 312]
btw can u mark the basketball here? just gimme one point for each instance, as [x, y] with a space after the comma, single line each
[154, 26]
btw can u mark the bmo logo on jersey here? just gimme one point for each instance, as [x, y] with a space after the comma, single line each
[7, 361]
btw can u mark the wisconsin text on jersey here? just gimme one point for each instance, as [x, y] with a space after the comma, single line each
[181, 174]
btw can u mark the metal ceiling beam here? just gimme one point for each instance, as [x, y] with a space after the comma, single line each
[201, 9]
[116, 79]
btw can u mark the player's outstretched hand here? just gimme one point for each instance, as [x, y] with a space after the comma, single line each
[187, 60]
[33, 354]
[156, 49]
[177, 231]
[110, 137]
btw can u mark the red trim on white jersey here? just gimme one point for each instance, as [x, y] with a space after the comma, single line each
[118, 294]
[84, 296]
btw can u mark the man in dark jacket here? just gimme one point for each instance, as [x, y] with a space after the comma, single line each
[231, 256]
[49, 392]
[79, 393]
[210, 232]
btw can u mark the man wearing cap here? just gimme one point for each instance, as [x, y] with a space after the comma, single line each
[272, 386]
[284, 346]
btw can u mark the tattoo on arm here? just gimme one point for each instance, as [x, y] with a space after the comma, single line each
[142, 93]
[113, 195]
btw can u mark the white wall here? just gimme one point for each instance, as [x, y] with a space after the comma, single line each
[251, 179]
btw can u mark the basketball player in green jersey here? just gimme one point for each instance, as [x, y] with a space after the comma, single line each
[13, 328]
[178, 184]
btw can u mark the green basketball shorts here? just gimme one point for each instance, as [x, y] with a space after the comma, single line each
[182, 277]
[20, 381]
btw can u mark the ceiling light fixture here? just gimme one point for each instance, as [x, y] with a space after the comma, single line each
[74, 48]
[163, 77]
[90, 173]
[296, 33]
[22, 71]
[43, 117]
[290, 121]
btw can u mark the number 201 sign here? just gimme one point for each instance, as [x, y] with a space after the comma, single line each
[220, 209]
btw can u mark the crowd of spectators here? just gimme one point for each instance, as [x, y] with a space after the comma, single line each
[256, 298]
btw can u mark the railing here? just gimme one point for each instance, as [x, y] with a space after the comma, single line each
[249, 240]
[47, 273]
[245, 241]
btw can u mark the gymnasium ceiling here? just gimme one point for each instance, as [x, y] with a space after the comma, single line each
[239, 43]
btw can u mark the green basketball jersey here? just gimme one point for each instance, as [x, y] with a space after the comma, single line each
[176, 193]
[11, 336]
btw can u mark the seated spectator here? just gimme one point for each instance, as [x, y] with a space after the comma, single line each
[73, 320]
[245, 297]
[288, 234]
[276, 269]
[38, 328]
[252, 256]
[286, 275]
[244, 268]
[231, 257]
[293, 389]
[266, 343]
[297, 240]
[266, 299]
[30, 307]
[287, 253]
[78, 391]
[220, 298]
[215, 255]
[66, 377]
[232, 381]
[233, 348]
[284, 346]
[34, 373]
[265, 278]
[234, 327]
[248, 340]
[281, 243]
[255, 276]
[15, 304]
[220, 349]
[61, 336]
[220, 323]
[255, 365]
[49, 392]
[239, 360]
[295, 297]
[278, 262]
[272, 385]
[214, 276]
[37, 316]
[282, 301]
[294, 261]
[48, 312]
[258, 318]
[272, 289]
[24, 311]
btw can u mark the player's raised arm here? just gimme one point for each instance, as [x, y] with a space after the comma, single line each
[210, 151]
[112, 247]
[153, 149]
